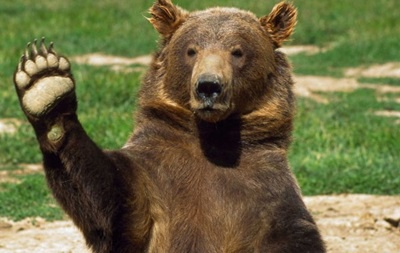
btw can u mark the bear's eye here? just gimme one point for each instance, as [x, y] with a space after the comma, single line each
[191, 52]
[238, 53]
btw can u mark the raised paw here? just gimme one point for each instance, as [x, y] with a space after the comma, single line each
[42, 79]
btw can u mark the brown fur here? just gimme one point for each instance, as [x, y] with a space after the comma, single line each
[206, 168]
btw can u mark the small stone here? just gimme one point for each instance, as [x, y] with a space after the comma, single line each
[393, 222]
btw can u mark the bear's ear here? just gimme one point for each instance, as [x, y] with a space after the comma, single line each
[166, 17]
[280, 22]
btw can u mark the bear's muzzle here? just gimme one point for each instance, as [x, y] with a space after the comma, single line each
[211, 93]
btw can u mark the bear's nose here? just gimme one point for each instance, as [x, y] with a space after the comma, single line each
[208, 86]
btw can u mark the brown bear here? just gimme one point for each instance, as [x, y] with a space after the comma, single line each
[206, 168]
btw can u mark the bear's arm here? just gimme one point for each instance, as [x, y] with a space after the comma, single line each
[89, 184]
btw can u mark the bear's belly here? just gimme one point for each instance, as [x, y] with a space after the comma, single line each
[209, 209]
[210, 227]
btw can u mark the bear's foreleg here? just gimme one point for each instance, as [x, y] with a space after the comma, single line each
[81, 176]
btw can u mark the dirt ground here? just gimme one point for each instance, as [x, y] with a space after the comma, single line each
[358, 223]
[349, 224]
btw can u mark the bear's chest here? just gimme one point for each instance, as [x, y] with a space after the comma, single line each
[207, 203]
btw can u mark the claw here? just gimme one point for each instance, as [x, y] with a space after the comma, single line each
[34, 48]
[51, 48]
[21, 60]
[52, 59]
[43, 48]
[27, 53]
[40, 59]
[29, 66]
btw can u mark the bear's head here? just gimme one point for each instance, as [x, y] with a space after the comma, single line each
[219, 62]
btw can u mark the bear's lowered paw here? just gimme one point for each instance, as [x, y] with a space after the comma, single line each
[42, 79]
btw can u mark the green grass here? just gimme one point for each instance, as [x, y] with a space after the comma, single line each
[28, 199]
[357, 33]
[107, 113]
[340, 147]
[343, 148]
[385, 80]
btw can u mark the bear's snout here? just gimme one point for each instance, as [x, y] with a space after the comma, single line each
[211, 92]
[208, 88]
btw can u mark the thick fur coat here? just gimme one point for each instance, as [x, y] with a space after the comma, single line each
[206, 168]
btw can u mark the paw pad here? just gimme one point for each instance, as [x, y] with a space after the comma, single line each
[42, 78]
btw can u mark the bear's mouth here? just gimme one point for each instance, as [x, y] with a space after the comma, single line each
[206, 109]
[212, 112]
[207, 104]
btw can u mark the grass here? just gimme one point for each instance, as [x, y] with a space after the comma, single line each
[357, 33]
[385, 80]
[28, 199]
[342, 148]
[339, 147]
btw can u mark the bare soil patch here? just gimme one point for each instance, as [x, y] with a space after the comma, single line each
[37, 235]
[349, 223]
[316, 87]
[311, 86]
[358, 223]
[116, 63]
[390, 69]
[307, 49]
[391, 114]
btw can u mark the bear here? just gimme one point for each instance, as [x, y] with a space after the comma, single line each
[206, 168]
